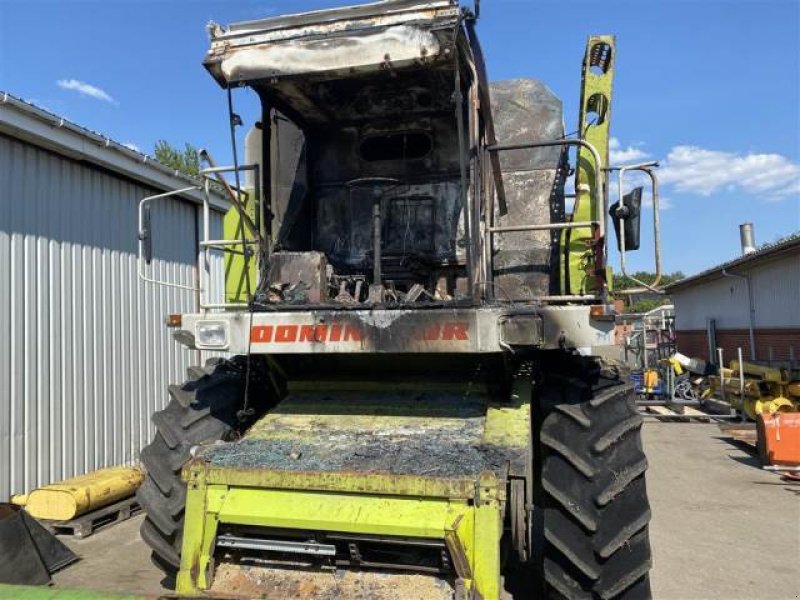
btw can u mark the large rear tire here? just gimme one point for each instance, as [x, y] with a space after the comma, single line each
[591, 511]
[206, 408]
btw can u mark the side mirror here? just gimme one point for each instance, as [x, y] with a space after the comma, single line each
[145, 236]
[629, 216]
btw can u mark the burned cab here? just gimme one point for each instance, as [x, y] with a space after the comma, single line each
[365, 136]
[369, 144]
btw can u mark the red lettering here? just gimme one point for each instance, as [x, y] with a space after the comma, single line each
[455, 331]
[286, 334]
[261, 334]
[289, 334]
[351, 333]
[431, 334]
[313, 333]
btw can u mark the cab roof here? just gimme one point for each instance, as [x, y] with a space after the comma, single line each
[334, 43]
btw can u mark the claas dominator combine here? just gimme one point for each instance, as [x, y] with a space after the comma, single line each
[415, 316]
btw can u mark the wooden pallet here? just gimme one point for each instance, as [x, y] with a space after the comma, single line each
[741, 432]
[92, 522]
[683, 414]
[716, 406]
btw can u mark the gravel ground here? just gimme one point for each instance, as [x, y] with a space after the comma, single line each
[722, 528]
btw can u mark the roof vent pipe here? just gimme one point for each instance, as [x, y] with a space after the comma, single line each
[747, 236]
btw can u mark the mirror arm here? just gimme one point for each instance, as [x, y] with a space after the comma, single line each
[648, 169]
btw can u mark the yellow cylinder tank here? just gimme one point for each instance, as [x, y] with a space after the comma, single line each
[72, 497]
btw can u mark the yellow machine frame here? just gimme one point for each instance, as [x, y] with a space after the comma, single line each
[466, 513]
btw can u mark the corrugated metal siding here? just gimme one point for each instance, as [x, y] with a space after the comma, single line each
[722, 299]
[776, 292]
[776, 297]
[84, 356]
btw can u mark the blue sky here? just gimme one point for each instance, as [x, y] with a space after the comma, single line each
[711, 88]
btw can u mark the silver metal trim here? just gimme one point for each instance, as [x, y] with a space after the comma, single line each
[543, 227]
[313, 548]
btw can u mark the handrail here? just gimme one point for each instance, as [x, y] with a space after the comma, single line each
[543, 227]
[217, 172]
[648, 169]
[143, 235]
[601, 198]
[206, 244]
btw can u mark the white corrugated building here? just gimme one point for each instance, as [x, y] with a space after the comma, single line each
[85, 357]
[751, 302]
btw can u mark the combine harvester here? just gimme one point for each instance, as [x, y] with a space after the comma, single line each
[415, 321]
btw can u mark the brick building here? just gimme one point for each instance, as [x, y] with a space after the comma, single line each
[752, 302]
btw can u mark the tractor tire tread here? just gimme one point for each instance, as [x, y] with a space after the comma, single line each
[203, 409]
[593, 501]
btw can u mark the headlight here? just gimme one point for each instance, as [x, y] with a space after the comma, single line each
[212, 333]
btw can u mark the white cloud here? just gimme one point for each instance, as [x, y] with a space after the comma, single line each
[793, 189]
[701, 171]
[86, 89]
[664, 202]
[621, 156]
[695, 170]
[131, 146]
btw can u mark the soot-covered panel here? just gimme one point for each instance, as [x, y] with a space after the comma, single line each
[525, 263]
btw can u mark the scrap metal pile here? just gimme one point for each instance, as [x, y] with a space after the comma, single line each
[749, 388]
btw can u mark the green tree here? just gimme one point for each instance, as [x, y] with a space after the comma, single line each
[643, 302]
[186, 161]
[622, 282]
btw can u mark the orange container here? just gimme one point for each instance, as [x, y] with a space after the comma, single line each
[779, 438]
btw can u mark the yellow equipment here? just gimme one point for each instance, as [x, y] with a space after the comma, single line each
[758, 389]
[650, 380]
[72, 497]
[760, 371]
[676, 365]
[767, 405]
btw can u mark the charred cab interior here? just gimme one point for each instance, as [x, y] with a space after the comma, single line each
[363, 146]
[367, 187]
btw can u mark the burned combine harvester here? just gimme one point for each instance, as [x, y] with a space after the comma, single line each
[414, 318]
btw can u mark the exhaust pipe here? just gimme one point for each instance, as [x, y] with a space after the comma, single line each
[747, 237]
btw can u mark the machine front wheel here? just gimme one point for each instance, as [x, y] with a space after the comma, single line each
[591, 511]
[204, 409]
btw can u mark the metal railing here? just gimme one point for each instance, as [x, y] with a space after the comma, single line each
[600, 198]
[145, 238]
[646, 168]
[206, 245]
